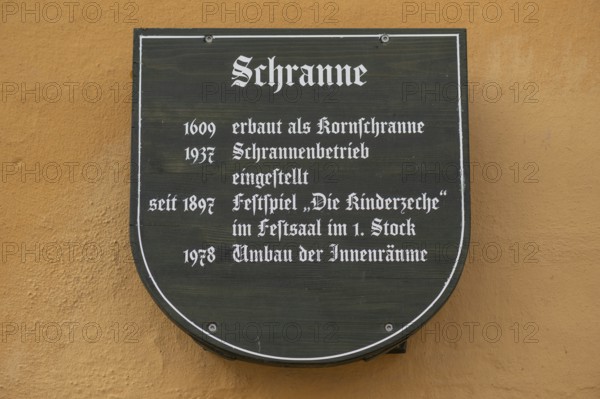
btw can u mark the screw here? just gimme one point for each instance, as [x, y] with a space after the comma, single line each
[208, 39]
[389, 327]
[212, 327]
[384, 38]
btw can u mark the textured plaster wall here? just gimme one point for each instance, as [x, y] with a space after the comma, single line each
[77, 322]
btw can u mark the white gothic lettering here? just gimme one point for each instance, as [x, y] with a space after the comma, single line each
[275, 75]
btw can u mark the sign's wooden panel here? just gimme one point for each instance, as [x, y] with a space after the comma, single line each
[300, 196]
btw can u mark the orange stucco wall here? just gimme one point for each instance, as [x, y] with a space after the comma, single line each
[75, 320]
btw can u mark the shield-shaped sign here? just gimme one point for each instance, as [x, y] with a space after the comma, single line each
[300, 197]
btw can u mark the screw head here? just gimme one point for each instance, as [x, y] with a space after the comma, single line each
[389, 327]
[208, 39]
[384, 38]
[212, 327]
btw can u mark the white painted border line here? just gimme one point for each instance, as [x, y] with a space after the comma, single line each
[462, 190]
[376, 35]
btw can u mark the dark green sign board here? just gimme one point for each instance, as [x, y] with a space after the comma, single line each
[300, 197]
